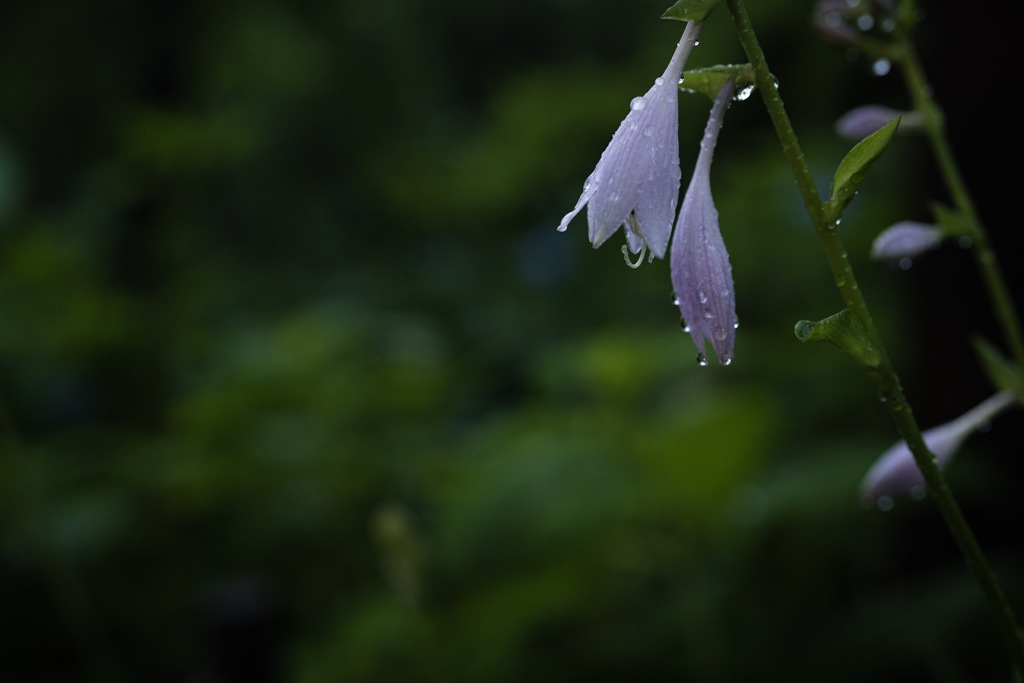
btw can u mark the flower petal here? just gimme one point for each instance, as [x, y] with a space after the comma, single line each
[701, 273]
[895, 474]
[906, 239]
[638, 173]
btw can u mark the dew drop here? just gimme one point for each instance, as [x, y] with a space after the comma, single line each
[965, 242]
[702, 360]
[719, 333]
[736, 325]
[865, 22]
[743, 93]
[905, 263]
[881, 67]
[727, 360]
[638, 103]
[885, 503]
[659, 80]
[649, 131]
[702, 297]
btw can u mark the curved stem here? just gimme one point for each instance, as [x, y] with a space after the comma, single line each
[883, 375]
[934, 125]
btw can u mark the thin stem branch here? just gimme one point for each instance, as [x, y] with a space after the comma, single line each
[883, 375]
[934, 125]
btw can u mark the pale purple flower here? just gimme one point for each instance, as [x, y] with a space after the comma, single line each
[862, 121]
[905, 240]
[895, 473]
[636, 181]
[701, 274]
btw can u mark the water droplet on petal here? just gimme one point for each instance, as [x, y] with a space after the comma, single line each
[702, 360]
[649, 131]
[659, 80]
[719, 333]
[727, 360]
[702, 297]
[638, 103]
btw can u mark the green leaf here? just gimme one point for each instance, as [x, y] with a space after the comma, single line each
[709, 80]
[952, 222]
[854, 165]
[846, 330]
[690, 10]
[1001, 371]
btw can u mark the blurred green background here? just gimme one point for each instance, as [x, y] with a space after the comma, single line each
[299, 383]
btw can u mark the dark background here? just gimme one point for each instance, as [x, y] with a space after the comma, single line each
[298, 382]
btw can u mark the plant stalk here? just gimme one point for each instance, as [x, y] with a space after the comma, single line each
[884, 376]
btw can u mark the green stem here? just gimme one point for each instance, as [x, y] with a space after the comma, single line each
[882, 375]
[934, 124]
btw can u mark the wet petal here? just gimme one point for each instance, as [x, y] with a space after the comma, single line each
[701, 273]
[638, 173]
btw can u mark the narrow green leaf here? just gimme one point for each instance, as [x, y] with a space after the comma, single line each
[952, 222]
[854, 165]
[1003, 373]
[690, 10]
[846, 330]
[709, 80]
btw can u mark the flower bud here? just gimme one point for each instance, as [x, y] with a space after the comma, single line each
[905, 240]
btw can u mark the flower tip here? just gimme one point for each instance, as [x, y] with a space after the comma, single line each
[861, 122]
[905, 240]
[894, 475]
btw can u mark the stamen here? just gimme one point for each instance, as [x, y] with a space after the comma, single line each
[639, 257]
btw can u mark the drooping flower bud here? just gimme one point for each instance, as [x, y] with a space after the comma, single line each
[905, 240]
[860, 122]
[701, 274]
[636, 181]
[895, 474]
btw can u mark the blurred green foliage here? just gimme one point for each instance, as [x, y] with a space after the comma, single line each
[299, 383]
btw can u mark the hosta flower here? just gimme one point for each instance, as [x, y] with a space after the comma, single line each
[905, 240]
[701, 274]
[861, 122]
[895, 474]
[636, 181]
